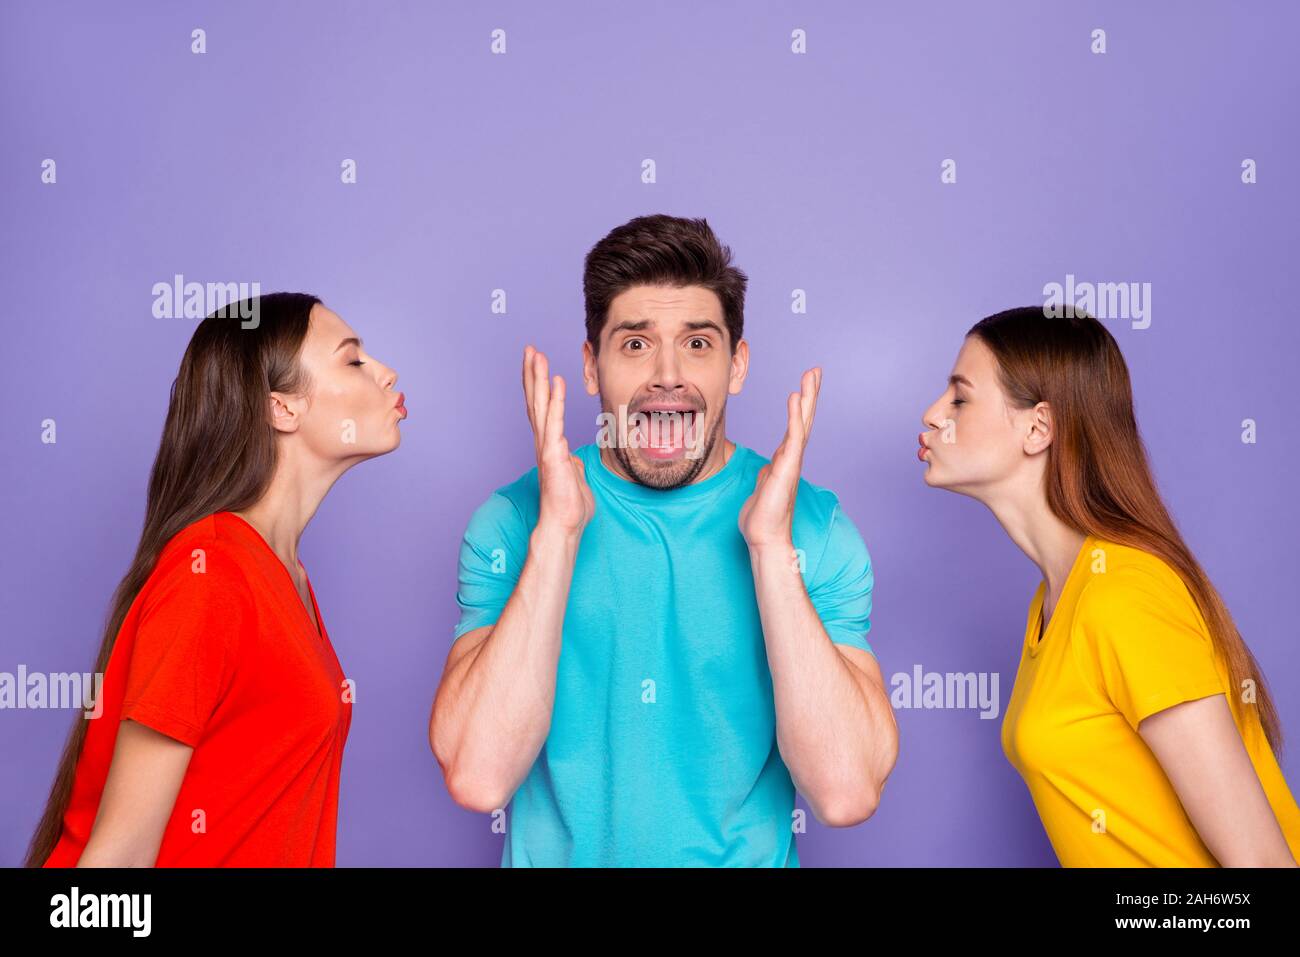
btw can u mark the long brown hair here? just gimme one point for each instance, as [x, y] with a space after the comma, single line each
[217, 453]
[1098, 479]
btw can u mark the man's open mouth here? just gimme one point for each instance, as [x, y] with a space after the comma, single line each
[664, 431]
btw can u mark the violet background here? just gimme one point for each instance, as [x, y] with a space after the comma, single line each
[478, 172]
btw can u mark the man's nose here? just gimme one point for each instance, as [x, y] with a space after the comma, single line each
[667, 371]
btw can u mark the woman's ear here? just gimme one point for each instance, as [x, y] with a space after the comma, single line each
[285, 412]
[1040, 432]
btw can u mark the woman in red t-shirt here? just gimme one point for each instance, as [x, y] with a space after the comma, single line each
[223, 713]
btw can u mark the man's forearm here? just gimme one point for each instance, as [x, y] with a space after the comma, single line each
[494, 709]
[834, 726]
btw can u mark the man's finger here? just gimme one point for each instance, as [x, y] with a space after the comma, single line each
[541, 396]
[805, 396]
[788, 453]
[796, 404]
[555, 416]
[812, 403]
[527, 376]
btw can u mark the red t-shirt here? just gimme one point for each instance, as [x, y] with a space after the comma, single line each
[218, 651]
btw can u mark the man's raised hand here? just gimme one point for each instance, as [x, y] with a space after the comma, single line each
[768, 516]
[566, 501]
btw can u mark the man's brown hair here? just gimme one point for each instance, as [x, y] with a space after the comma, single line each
[661, 250]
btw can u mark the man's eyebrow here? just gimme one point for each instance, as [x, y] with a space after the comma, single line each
[631, 325]
[704, 324]
[350, 341]
[639, 325]
[955, 379]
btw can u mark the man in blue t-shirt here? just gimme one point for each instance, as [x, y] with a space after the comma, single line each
[662, 634]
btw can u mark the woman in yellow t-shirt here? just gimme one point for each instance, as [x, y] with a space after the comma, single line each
[1139, 719]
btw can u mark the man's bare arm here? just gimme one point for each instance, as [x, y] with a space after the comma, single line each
[834, 724]
[493, 708]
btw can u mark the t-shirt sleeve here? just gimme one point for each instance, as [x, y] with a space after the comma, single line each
[187, 643]
[841, 587]
[1144, 641]
[492, 555]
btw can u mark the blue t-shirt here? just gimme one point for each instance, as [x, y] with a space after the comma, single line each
[662, 748]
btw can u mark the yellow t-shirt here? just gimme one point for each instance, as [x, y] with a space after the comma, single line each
[1126, 640]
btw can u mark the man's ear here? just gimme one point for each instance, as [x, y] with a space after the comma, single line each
[739, 368]
[1041, 429]
[285, 411]
[590, 378]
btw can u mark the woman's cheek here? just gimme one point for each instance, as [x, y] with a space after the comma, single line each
[339, 422]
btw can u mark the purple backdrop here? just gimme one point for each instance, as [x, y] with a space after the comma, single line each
[478, 171]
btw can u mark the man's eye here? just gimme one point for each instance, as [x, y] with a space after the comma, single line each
[632, 342]
[705, 341]
[356, 362]
[958, 401]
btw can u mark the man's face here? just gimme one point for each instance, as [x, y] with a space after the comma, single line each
[665, 353]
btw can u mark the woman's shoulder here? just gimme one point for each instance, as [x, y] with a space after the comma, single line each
[212, 550]
[1117, 567]
[1126, 580]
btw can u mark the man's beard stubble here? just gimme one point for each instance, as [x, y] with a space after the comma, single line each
[665, 476]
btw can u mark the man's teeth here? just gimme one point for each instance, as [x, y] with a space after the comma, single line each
[665, 428]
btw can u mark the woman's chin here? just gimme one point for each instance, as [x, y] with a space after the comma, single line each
[933, 477]
[377, 450]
